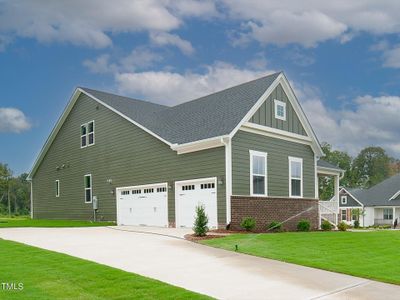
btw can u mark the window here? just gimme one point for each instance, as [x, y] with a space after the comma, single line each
[295, 177]
[343, 199]
[57, 188]
[210, 185]
[125, 193]
[344, 215]
[88, 188]
[189, 187]
[258, 173]
[87, 134]
[136, 191]
[280, 110]
[148, 191]
[161, 189]
[388, 214]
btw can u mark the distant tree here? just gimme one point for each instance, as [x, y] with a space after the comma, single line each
[5, 176]
[371, 166]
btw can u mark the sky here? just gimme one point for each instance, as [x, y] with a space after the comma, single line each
[341, 57]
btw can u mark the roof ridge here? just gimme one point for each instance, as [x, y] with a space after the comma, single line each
[229, 88]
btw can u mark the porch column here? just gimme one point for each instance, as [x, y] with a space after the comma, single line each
[394, 214]
[336, 187]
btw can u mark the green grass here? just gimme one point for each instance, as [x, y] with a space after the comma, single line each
[27, 222]
[50, 275]
[373, 255]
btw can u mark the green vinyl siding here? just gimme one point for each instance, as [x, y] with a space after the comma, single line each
[123, 153]
[277, 164]
[265, 115]
[351, 202]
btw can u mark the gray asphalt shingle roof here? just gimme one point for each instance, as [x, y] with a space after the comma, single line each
[206, 117]
[324, 164]
[379, 194]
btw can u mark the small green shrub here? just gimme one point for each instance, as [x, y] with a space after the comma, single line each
[326, 225]
[356, 224]
[303, 225]
[248, 223]
[200, 227]
[274, 226]
[342, 226]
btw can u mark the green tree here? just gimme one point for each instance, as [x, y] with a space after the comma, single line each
[371, 166]
[200, 227]
[5, 176]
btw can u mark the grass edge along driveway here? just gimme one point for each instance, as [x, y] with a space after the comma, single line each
[372, 255]
[6, 222]
[51, 275]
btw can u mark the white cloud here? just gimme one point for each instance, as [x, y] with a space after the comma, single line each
[310, 22]
[99, 65]
[172, 88]
[92, 22]
[164, 39]
[371, 121]
[13, 120]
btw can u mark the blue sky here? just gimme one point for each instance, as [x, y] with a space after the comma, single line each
[343, 61]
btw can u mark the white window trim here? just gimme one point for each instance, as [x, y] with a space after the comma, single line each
[57, 182]
[265, 155]
[341, 214]
[343, 199]
[87, 134]
[85, 188]
[283, 104]
[300, 160]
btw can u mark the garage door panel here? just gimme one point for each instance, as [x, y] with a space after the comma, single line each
[192, 194]
[144, 205]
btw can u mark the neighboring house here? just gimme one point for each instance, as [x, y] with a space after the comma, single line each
[248, 150]
[380, 204]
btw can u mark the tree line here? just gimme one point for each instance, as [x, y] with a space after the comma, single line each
[371, 166]
[14, 192]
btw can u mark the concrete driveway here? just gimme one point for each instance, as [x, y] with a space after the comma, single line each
[214, 272]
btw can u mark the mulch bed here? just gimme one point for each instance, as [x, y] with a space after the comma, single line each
[193, 238]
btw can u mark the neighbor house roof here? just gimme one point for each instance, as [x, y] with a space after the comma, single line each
[206, 117]
[385, 193]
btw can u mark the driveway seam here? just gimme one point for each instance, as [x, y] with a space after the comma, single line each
[148, 232]
[342, 290]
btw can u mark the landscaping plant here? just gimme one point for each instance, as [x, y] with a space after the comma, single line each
[274, 226]
[248, 223]
[356, 224]
[326, 225]
[303, 225]
[342, 226]
[200, 224]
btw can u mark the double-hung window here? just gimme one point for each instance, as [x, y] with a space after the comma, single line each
[388, 214]
[344, 215]
[88, 188]
[295, 177]
[87, 134]
[57, 188]
[258, 173]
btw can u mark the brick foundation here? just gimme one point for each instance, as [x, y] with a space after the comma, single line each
[267, 209]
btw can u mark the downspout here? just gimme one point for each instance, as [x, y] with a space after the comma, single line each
[228, 176]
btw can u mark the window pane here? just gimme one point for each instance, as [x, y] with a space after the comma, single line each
[258, 165]
[87, 181]
[88, 195]
[259, 185]
[91, 138]
[280, 111]
[91, 127]
[296, 187]
[83, 129]
[83, 141]
[295, 169]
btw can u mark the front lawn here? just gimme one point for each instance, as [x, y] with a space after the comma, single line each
[28, 222]
[50, 275]
[373, 255]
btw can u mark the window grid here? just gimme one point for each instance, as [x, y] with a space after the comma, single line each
[136, 192]
[161, 189]
[210, 185]
[87, 134]
[148, 191]
[125, 193]
[258, 173]
[189, 187]
[295, 177]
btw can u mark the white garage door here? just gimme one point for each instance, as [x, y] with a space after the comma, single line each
[191, 193]
[143, 205]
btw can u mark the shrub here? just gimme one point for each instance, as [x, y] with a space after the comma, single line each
[356, 224]
[248, 223]
[303, 225]
[342, 226]
[200, 224]
[326, 225]
[274, 226]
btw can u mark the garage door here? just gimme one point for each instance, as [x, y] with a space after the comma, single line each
[189, 194]
[143, 205]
